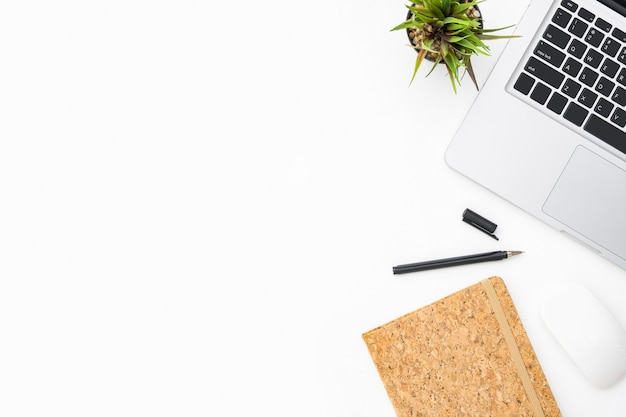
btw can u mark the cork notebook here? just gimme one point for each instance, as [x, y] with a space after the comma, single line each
[464, 355]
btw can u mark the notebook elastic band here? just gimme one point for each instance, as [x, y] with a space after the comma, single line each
[512, 345]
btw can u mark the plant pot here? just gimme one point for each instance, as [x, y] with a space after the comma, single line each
[410, 32]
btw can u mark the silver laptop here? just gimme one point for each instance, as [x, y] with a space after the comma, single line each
[547, 132]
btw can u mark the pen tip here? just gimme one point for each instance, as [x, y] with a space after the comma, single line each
[513, 253]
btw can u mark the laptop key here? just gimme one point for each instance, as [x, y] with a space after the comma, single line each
[572, 67]
[575, 114]
[571, 88]
[603, 107]
[605, 86]
[619, 117]
[569, 5]
[609, 67]
[578, 27]
[556, 36]
[550, 54]
[619, 96]
[593, 58]
[619, 34]
[586, 14]
[603, 24]
[606, 132]
[577, 48]
[544, 72]
[594, 37]
[622, 56]
[588, 76]
[610, 46]
[561, 18]
[587, 98]
[541, 93]
[524, 83]
[621, 78]
[557, 103]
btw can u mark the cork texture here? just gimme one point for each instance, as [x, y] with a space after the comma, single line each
[450, 358]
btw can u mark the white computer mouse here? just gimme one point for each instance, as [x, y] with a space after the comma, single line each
[589, 333]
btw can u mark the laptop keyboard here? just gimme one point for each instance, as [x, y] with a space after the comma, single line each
[578, 71]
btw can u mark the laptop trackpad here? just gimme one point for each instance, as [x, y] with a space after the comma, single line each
[590, 197]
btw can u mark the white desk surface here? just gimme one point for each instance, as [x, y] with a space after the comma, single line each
[202, 203]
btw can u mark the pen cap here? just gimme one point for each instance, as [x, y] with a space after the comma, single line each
[479, 221]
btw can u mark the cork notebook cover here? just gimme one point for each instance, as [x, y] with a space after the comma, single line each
[464, 355]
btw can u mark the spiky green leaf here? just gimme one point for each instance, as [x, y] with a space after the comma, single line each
[496, 29]
[459, 8]
[404, 25]
[446, 6]
[418, 62]
[465, 22]
[452, 76]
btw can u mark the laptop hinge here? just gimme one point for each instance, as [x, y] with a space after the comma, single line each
[618, 5]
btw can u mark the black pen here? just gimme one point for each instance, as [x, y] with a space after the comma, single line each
[459, 260]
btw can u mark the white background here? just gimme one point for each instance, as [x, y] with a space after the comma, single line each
[201, 202]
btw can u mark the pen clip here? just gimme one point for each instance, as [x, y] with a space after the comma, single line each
[479, 222]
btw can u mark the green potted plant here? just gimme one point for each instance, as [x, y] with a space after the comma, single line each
[448, 32]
